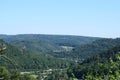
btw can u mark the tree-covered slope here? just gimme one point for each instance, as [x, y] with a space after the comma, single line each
[35, 46]
[54, 45]
[60, 40]
[14, 57]
[94, 48]
[105, 66]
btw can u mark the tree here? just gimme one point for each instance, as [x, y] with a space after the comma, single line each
[14, 75]
[4, 74]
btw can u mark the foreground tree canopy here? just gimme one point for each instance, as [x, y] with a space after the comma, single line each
[101, 67]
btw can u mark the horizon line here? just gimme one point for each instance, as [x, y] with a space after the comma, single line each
[58, 35]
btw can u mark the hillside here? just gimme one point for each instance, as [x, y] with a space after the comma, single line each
[41, 52]
[58, 46]
[94, 48]
[35, 46]
[62, 46]
[14, 57]
[104, 66]
[88, 50]
[60, 40]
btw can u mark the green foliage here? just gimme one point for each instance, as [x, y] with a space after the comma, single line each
[102, 67]
[4, 74]
[17, 58]
[35, 46]
[94, 48]
[27, 77]
[61, 40]
[13, 75]
[57, 75]
[47, 43]
[37, 52]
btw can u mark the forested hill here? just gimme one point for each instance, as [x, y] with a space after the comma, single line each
[40, 52]
[35, 46]
[105, 66]
[80, 47]
[94, 48]
[60, 40]
[17, 58]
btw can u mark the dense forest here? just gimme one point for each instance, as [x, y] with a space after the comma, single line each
[22, 59]
[60, 40]
[56, 57]
[96, 47]
[88, 50]
[104, 66]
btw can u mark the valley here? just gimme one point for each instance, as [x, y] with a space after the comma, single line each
[54, 57]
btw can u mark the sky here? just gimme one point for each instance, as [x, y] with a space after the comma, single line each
[98, 18]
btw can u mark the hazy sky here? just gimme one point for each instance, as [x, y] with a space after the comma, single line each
[69, 17]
